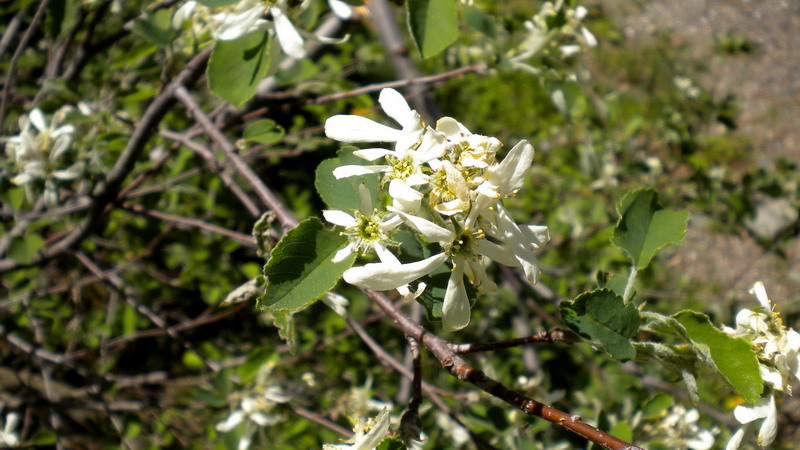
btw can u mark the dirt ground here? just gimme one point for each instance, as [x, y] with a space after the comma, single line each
[766, 81]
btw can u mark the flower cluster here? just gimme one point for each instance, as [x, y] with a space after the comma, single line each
[254, 409]
[367, 434]
[678, 428]
[38, 150]
[447, 185]
[555, 21]
[778, 350]
[247, 16]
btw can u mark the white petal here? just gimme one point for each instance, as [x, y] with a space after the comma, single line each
[417, 179]
[771, 376]
[405, 197]
[431, 231]
[747, 414]
[761, 294]
[496, 252]
[396, 107]
[231, 422]
[181, 15]
[384, 277]
[535, 235]
[375, 435]
[340, 218]
[341, 9]
[23, 178]
[588, 37]
[736, 439]
[68, 174]
[433, 146]
[290, 40]
[510, 175]
[235, 25]
[385, 255]
[38, 120]
[456, 309]
[344, 253]
[371, 154]
[355, 170]
[769, 428]
[346, 128]
[450, 127]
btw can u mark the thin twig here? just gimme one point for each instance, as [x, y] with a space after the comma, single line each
[264, 193]
[183, 222]
[465, 372]
[322, 420]
[549, 337]
[107, 193]
[37, 17]
[212, 163]
[475, 68]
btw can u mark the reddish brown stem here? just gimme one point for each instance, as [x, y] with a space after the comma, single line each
[549, 337]
[465, 372]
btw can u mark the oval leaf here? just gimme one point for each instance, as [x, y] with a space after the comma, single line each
[300, 270]
[264, 131]
[343, 193]
[433, 24]
[236, 67]
[602, 316]
[645, 226]
[734, 358]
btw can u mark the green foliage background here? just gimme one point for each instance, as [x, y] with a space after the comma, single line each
[122, 381]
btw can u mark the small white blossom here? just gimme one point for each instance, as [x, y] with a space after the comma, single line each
[368, 435]
[9, 437]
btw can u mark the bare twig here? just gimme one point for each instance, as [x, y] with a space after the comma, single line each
[183, 222]
[208, 155]
[475, 68]
[264, 193]
[549, 337]
[37, 17]
[389, 33]
[322, 420]
[107, 193]
[465, 372]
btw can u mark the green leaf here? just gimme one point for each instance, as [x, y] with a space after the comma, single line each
[645, 226]
[479, 21]
[286, 330]
[192, 360]
[603, 317]
[433, 24]
[256, 359]
[622, 431]
[264, 131]
[24, 248]
[656, 407]
[734, 358]
[300, 270]
[42, 437]
[343, 193]
[236, 67]
[156, 27]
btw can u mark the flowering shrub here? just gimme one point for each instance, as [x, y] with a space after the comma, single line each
[164, 243]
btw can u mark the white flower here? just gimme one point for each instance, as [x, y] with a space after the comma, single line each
[253, 411]
[365, 230]
[38, 150]
[338, 303]
[368, 435]
[414, 146]
[764, 409]
[8, 437]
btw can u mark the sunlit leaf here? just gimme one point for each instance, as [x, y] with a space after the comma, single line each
[433, 24]
[236, 67]
[645, 226]
[603, 317]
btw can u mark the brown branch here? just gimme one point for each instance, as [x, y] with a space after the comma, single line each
[549, 337]
[322, 420]
[264, 193]
[37, 17]
[216, 167]
[475, 68]
[184, 222]
[107, 193]
[465, 372]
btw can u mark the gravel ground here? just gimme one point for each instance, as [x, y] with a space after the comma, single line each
[766, 81]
